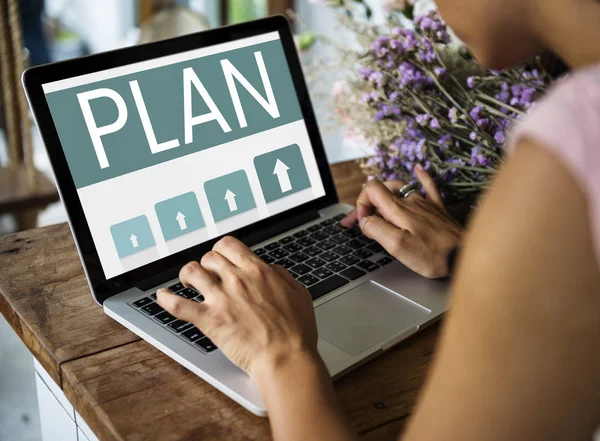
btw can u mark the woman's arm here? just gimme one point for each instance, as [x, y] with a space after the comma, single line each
[520, 354]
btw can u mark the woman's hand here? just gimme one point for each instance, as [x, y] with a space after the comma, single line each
[257, 314]
[418, 232]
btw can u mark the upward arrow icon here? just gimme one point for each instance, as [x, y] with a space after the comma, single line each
[230, 198]
[281, 170]
[181, 220]
[134, 241]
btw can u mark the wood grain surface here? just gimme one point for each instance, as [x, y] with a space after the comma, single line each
[127, 390]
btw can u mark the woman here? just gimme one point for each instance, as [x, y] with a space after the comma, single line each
[519, 357]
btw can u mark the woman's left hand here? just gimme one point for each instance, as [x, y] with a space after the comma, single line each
[257, 314]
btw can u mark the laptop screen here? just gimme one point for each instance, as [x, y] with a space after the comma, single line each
[171, 152]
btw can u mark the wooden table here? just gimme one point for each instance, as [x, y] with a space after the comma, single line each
[126, 389]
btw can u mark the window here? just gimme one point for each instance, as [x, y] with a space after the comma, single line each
[222, 12]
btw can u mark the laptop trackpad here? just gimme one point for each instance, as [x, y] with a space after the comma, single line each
[365, 316]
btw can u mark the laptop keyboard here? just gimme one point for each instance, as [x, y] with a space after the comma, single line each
[322, 257]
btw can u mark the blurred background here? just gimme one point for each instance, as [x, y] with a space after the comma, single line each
[34, 32]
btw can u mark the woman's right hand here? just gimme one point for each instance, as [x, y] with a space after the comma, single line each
[418, 232]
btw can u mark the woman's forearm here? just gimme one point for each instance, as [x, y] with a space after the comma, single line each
[301, 401]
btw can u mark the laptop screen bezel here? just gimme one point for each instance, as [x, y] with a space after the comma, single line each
[35, 77]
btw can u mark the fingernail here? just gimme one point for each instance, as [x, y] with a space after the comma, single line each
[362, 222]
[419, 168]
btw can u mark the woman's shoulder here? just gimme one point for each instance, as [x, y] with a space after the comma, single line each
[567, 123]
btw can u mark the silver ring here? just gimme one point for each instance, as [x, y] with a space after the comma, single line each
[407, 190]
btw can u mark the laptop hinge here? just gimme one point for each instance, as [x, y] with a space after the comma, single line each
[249, 240]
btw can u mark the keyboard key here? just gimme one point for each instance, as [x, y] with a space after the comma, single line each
[272, 246]
[355, 244]
[268, 259]
[367, 265]
[300, 234]
[286, 240]
[326, 245]
[286, 263]
[164, 318]
[349, 260]
[334, 229]
[313, 228]
[260, 251]
[179, 326]
[192, 334]
[176, 287]
[375, 247]
[327, 223]
[339, 239]
[342, 250]
[206, 345]
[336, 266]
[301, 269]
[292, 247]
[152, 309]
[322, 273]
[188, 293]
[315, 262]
[299, 257]
[326, 286]
[199, 299]
[294, 275]
[385, 261]
[319, 235]
[339, 217]
[279, 254]
[306, 241]
[363, 254]
[328, 256]
[352, 232]
[352, 273]
[308, 280]
[312, 251]
[142, 302]
[153, 296]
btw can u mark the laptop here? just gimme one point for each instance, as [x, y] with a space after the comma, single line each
[160, 150]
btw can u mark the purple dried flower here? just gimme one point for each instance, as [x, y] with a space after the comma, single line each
[435, 124]
[477, 158]
[500, 137]
[440, 71]
[422, 119]
[472, 82]
[476, 112]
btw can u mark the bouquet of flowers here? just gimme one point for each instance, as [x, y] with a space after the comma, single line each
[414, 92]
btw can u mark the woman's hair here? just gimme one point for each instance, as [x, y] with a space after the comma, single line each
[554, 65]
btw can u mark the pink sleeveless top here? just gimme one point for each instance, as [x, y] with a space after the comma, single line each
[567, 121]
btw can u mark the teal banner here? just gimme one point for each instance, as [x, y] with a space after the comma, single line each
[117, 126]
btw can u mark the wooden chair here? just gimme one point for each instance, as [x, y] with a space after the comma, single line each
[24, 191]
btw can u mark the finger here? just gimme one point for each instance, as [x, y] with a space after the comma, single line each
[194, 275]
[394, 186]
[218, 264]
[235, 251]
[386, 234]
[377, 196]
[431, 190]
[350, 220]
[187, 310]
[284, 274]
